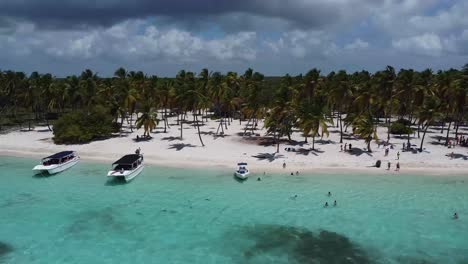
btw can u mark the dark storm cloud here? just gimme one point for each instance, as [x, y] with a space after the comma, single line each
[84, 13]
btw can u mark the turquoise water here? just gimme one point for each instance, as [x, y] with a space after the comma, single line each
[192, 216]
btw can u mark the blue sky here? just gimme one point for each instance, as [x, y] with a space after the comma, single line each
[274, 37]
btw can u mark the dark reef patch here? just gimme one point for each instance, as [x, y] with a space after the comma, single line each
[5, 249]
[19, 199]
[303, 246]
[106, 219]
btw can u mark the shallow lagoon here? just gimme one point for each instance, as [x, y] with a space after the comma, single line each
[192, 216]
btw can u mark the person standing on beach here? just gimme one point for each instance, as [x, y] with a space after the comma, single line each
[398, 155]
[389, 165]
[341, 146]
[397, 166]
[345, 145]
[284, 165]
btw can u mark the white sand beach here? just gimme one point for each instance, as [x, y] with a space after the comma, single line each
[166, 149]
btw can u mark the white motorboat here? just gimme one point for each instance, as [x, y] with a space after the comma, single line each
[57, 162]
[242, 172]
[127, 167]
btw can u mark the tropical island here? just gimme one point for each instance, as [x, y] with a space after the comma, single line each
[337, 120]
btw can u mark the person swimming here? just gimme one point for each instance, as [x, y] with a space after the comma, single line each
[259, 179]
[329, 193]
[455, 215]
[334, 203]
[326, 204]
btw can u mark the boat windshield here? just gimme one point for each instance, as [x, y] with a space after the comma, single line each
[55, 161]
[123, 167]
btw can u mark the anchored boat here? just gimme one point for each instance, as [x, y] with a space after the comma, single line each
[127, 167]
[57, 162]
[242, 172]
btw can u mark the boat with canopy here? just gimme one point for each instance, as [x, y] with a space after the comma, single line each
[127, 167]
[58, 162]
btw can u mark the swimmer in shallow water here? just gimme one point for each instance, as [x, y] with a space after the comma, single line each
[259, 179]
[455, 216]
[334, 203]
[326, 204]
[329, 193]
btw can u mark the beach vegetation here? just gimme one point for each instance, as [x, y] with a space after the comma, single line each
[83, 127]
[355, 102]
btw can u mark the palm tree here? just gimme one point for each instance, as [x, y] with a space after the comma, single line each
[312, 119]
[366, 129]
[148, 119]
[428, 114]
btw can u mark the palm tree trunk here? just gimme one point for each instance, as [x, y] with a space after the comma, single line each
[165, 120]
[131, 122]
[181, 129]
[341, 129]
[199, 133]
[448, 133]
[277, 142]
[368, 146]
[408, 140]
[48, 125]
[313, 142]
[246, 127]
[424, 135]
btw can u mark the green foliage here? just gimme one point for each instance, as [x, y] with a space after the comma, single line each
[83, 127]
[400, 127]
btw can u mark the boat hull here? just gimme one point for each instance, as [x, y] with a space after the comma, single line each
[56, 168]
[242, 176]
[127, 175]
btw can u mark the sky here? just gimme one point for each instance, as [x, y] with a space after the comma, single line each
[274, 37]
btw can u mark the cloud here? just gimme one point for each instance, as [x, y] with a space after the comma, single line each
[238, 15]
[132, 40]
[357, 44]
[426, 44]
[273, 36]
[301, 44]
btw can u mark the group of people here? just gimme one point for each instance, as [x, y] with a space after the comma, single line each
[459, 140]
[326, 203]
[346, 148]
[397, 166]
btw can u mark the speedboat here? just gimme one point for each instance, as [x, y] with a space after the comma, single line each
[242, 172]
[127, 167]
[57, 162]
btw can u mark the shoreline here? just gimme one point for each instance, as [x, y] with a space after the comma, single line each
[257, 169]
[259, 151]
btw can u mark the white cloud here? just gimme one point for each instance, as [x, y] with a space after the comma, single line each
[426, 44]
[300, 44]
[357, 44]
[133, 40]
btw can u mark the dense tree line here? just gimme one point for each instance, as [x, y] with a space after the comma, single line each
[311, 103]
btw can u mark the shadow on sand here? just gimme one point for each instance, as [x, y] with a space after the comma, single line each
[180, 146]
[268, 156]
